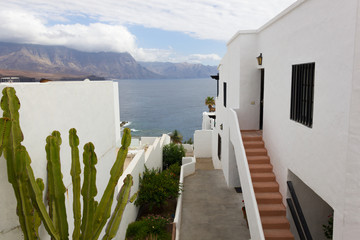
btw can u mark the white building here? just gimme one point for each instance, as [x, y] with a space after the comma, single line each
[310, 114]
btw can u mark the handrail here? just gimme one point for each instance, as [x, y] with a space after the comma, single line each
[252, 210]
[299, 211]
[296, 219]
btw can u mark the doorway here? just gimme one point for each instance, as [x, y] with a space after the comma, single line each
[261, 98]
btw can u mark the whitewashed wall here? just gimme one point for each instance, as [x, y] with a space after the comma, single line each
[152, 158]
[90, 107]
[202, 143]
[324, 157]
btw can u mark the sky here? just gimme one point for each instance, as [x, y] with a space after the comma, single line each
[193, 31]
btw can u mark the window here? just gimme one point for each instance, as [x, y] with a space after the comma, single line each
[302, 93]
[219, 147]
[224, 86]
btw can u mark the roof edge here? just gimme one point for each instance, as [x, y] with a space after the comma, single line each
[269, 23]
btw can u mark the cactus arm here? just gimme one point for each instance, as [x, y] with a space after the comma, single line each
[133, 198]
[37, 219]
[56, 186]
[116, 217]
[5, 125]
[88, 191]
[75, 176]
[104, 209]
[15, 165]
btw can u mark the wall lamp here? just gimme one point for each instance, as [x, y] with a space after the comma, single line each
[259, 59]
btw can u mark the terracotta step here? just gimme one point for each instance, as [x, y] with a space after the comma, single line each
[268, 197]
[258, 159]
[253, 144]
[278, 234]
[272, 209]
[251, 138]
[256, 152]
[260, 168]
[266, 186]
[275, 222]
[263, 177]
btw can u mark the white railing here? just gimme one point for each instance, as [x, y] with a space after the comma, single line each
[252, 211]
[187, 168]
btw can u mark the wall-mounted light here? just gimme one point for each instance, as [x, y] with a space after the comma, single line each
[221, 126]
[259, 59]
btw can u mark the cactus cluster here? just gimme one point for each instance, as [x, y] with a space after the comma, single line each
[29, 191]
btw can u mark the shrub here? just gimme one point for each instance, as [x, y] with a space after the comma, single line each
[174, 170]
[150, 226]
[172, 153]
[157, 188]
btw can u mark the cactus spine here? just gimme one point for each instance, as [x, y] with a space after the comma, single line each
[75, 176]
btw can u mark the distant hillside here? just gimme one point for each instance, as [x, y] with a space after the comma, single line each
[180, 70]
[63, 61]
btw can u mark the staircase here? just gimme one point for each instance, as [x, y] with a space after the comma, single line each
[272, 211]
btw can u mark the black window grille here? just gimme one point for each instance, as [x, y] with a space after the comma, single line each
[219, 147]
[225, 93]
[302, 93]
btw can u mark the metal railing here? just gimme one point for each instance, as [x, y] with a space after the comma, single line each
[297, 214]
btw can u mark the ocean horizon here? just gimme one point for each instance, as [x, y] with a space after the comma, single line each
[152, 107]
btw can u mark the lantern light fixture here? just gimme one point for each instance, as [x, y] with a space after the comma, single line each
[259, 59]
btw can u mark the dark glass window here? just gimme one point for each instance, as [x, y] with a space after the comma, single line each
[302, 93]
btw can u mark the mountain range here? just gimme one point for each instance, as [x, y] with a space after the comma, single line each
[65, 61]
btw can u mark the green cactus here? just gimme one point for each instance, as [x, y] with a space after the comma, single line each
[103, 211]
[75, 176]
[123, 199]
[88, 191]
[56, 186]
[20, 174]
[29, 192]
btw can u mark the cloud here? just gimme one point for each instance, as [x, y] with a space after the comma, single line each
[93, 26]
[204, 19]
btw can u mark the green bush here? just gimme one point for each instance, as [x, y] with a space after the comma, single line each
[156, 188]
[152, 225]
[174, 170]
[172, 154]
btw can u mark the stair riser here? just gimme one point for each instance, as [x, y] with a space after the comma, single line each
[266, 189]
[259, 161]
[249, 145]
[256, 153]
[251, 139]
[279, 238]
[268, 201]
[272, 213]
[260, 170]
[276, 225]
[263, 179]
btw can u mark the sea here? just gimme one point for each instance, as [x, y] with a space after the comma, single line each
[152, 107]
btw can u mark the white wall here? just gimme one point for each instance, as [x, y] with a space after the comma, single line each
[152, 158]
[90, 107]
[202, 143]
[327, 33]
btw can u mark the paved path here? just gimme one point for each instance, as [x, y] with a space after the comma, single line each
[211, 210]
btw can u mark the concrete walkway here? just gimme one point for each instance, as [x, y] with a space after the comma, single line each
[211, 210]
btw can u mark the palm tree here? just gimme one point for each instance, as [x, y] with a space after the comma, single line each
[176, 137]
[209, 101]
